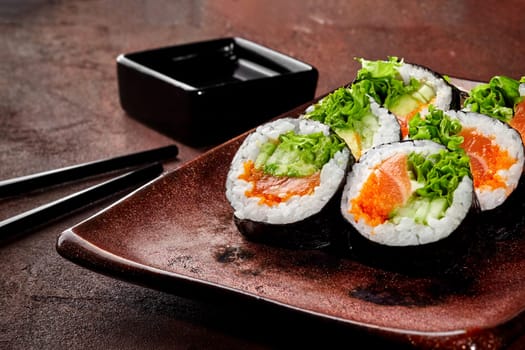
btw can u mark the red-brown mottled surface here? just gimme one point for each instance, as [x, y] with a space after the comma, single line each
[59, 106]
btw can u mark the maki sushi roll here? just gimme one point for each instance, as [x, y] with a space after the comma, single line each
[408, 193]
[357, 118]
[496, 157]
[284, 181]
[494, 148]
[502, 98]
[405, 89]
[408, 206]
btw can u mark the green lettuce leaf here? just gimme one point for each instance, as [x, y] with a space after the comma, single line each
[342, 109]
[497, 98]
[440, 173]
[295, 155]
[437, 176]
[379, 68]
[382, 81]
[438, 127]
[348, 113]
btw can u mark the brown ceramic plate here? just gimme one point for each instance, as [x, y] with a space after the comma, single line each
[177, 234]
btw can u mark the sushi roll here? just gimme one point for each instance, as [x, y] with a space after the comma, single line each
[496, 157]
[408, 206]
[408, 193]
[494, 148]
[356, 118]
[502, 98]
[404, 88]
[284, 181]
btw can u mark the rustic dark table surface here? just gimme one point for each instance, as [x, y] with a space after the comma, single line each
[59, 106]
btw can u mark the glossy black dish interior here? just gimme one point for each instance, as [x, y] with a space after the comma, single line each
[207, 92]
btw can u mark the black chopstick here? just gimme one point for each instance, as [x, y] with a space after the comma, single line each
[46, 213]
[24, 184]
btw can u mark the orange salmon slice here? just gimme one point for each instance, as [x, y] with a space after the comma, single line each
[518, 121]
[386, 189]
[272, 190]
[486, 159]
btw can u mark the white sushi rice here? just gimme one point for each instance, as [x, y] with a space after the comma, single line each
[507, 139]
[443, 90]
[297, 207]
[389, 129]
[406, 232]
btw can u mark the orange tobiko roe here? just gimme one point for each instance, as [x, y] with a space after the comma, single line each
[518, 121]
[486, 159]
[272, 190]
[386, 189]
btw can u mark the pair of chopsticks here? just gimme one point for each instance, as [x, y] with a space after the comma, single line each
[143, 166]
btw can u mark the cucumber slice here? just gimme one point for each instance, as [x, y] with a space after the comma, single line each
[362, 137]
[425, 93]
[421, 210]
[420, 216]
[437, 208]
[370, 126]
[405, 105]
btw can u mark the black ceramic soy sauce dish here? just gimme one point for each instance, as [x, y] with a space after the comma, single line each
[207, 92]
